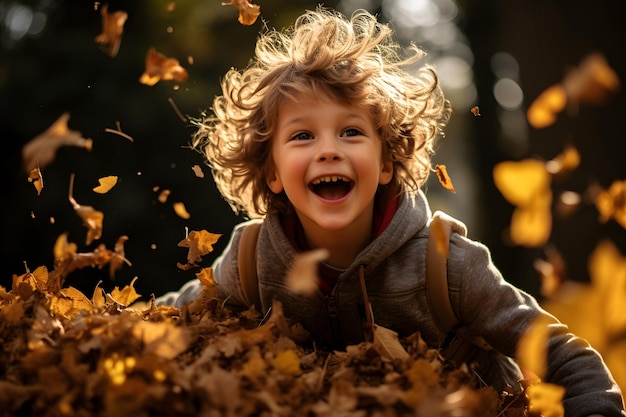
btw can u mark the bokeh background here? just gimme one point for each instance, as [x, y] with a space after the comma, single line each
[497, 55]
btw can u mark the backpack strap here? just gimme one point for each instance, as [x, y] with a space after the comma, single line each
[246, 256]
[437, 272]
[462, 346]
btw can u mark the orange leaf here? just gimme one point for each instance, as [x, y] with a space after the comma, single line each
[125, 296]
[37, 179]
[546, 400]
[180, 210]
[199, 243]
[159, 67]
[543, 111]
[112, 30]
[106, 183]
[444, 178]
[248, 12]
[611, 203]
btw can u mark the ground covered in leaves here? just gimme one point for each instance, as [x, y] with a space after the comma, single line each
[64, 354]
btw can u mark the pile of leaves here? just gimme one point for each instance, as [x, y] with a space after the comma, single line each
[62, 353]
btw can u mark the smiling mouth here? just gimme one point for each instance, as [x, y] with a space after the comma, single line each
[331, 187]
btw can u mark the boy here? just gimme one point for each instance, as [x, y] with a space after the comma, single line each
[328, 140]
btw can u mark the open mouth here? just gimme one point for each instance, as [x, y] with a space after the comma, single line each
[331, 187]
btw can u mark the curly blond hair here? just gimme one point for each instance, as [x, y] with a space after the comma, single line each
[353, 60]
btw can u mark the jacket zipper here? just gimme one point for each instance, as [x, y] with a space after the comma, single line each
[333, 316]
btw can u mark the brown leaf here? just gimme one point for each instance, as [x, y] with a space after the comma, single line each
[41, 150]
[388, 345]
[248, 12]
[159, 67]
[112, 29]
[444, 178]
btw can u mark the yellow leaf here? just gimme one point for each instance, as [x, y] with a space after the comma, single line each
[546, 400]
[248, 12]
[106, 183]
[69, 303]
[532, 347]
[423, 373]
[565, 162]
[287, 362]
[607, 268]
[521, 182]
[531, 227]
[98, 299]
[126, 296]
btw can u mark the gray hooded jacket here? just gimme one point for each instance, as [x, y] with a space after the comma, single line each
[394, 267]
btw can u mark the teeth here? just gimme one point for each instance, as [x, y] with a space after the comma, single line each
[330, 178]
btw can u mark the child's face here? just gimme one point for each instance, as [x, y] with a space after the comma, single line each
[328, 159]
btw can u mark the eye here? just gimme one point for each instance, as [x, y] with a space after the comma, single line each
[352, 132]
[301, 136]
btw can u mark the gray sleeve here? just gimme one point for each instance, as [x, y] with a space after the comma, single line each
[500, 312]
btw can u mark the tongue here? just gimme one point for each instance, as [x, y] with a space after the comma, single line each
[332, 191]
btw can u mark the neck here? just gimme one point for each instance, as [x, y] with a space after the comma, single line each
[344, 244]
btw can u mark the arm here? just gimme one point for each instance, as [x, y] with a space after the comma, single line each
[499, 312]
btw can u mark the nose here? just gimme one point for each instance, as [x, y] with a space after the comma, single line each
[329, 149]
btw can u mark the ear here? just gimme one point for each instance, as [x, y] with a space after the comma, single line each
[386, 171]
[274, 182]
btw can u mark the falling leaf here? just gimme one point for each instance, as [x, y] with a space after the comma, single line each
[159, 67]
[526, 185]
[592, 82]
[112, 29]
[564, 163]
[544, 110]
[546, 400]
[106, 183]
[180, 210]
[199, 243]
[163, 196]
[37, 179]
[444, 178]
[248, 12]
[91, 217]
[198, 171]
[41, 150]
[611, 203]
[475, 111]
[532, 347]
[303, 275]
